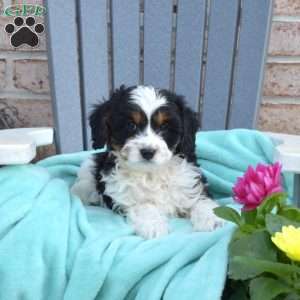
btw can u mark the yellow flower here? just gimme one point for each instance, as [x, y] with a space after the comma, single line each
[288, 241]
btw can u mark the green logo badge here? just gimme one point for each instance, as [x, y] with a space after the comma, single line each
[24, 10]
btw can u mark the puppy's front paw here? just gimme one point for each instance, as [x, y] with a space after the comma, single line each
[207, 222]
[150, 229]
[203, 217]
[86, 191]
[148, 221]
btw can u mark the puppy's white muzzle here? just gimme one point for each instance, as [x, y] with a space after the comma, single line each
[147, 149]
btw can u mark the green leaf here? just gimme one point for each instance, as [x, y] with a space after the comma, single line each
[264, 288]
[238, 234]
[248, 229]
[243, 267]
[249, 216]
[258, 245]
[290, 212]
[297, 286]
[270, 202]
[292, 297]
[229, 214]
[274, 223]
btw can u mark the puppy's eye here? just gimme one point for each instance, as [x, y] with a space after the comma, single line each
[131, 126]
[164, 126]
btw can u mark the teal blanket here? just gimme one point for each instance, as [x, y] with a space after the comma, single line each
[52, 247]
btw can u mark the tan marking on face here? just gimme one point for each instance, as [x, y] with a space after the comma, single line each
[161, 118]
[137, 117]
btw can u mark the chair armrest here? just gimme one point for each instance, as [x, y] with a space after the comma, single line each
[287, 151]
[18, 146]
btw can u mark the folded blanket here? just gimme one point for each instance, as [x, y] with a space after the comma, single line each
[52, 247]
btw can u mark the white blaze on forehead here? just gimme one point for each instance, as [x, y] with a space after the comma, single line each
[147, 99]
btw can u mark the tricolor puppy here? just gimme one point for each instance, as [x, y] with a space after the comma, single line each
[149, 171]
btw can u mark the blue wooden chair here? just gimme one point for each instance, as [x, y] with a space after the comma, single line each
[213, 52]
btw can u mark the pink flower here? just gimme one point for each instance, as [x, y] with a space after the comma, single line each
[251, 189]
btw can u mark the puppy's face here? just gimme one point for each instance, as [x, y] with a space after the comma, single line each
[143, 126]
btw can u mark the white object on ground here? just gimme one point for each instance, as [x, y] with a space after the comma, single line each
[18, 146]
[287, 151]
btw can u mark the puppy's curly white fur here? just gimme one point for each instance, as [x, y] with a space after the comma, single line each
[149, 170]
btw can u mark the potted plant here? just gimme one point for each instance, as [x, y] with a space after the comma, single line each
[264, 253]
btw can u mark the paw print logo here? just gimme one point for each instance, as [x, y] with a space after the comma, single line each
[24, 32]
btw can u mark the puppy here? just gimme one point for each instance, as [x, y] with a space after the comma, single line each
[148, 171]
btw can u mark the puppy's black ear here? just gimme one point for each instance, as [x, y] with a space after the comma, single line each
[190, 127]
[100, 118]
[99, 122]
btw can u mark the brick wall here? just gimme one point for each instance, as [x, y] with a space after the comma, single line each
[24, 87]
[280, 109]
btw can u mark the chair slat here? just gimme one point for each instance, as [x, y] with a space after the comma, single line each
[189, 45]
[125, 15]
[64, 74]
[94, 55]
[255, 27]
[157, 42]
[221, 49]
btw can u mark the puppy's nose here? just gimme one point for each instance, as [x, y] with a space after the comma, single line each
[147, 153]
